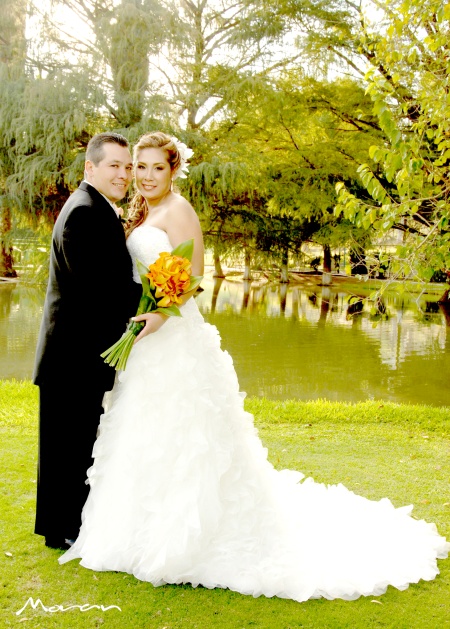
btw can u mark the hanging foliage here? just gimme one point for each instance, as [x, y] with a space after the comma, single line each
[406, 176]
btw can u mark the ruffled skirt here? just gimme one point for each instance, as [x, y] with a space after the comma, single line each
[182, 491]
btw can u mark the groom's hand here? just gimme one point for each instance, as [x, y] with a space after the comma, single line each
[153, 321]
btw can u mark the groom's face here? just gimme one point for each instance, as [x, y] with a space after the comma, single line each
[113, 173]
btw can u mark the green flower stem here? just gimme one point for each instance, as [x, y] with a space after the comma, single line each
[135, 327]
[117, 355]
[144, 304]
[123, 358]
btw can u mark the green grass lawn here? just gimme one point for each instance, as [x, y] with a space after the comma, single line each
[375, 448]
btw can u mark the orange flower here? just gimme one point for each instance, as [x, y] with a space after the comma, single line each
[170, 277]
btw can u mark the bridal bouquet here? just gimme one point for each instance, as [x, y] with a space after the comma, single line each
[163, 284]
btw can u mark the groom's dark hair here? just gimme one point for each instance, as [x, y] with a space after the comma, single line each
[95, 152]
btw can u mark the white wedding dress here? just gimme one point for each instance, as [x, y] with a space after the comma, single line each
[182, 492]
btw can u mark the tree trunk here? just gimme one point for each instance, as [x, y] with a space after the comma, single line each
[216, 289]
[285, 268]
[247, 269]
[12, 40]
[127, 43]
[6, 251]
[445, 299]
[12, 55]
[324, 305]
[295, 304]
[326, 276]
[283, 296]
[218, 271]
[246, 295]
[444, 307]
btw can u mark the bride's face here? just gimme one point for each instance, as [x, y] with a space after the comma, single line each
[153, 174]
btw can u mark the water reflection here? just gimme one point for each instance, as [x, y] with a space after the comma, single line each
[20, 315]
[291, 341]
[310, 342]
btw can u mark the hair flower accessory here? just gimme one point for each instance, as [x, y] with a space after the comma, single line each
[185, 155]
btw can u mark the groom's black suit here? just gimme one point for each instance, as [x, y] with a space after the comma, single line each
[90, 296]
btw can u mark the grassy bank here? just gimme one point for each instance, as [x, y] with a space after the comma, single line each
[375, 448]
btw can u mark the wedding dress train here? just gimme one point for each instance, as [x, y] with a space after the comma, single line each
[182, 491]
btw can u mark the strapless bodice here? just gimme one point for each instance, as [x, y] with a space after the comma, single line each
[145, 243]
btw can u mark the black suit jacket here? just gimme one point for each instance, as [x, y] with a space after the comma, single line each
[90, 294]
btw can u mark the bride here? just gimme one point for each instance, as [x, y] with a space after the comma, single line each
[181, 490]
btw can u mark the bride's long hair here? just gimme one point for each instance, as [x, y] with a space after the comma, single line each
[138, 209]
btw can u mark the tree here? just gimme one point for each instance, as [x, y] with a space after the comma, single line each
[330, 34]
[113, 49]
[70, 89]
[113, 78]
[220, 46]
[270, 141]
[12, 66]
[407, 175]
[231, 209]
[295, 138]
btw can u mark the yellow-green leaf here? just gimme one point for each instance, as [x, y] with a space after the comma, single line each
[184, 249]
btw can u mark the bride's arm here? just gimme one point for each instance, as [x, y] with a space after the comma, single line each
[182, 224]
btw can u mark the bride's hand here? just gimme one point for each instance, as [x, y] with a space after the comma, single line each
[153, 321]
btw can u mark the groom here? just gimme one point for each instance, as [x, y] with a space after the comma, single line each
[90, 296]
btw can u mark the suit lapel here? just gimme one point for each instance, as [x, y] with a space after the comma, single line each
[98, 199]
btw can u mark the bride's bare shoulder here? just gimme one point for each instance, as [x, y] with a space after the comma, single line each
[180, 206]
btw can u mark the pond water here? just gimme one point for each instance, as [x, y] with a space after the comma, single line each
[295, 341]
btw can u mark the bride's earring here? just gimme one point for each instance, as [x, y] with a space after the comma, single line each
[171, 185]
